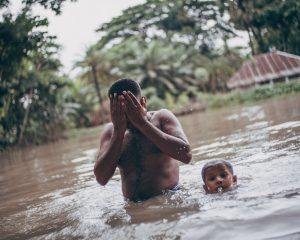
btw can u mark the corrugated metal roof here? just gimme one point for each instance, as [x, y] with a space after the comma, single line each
[265, 67]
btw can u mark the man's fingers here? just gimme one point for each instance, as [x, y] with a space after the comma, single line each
[127, 109]
[111, 97]
[122, 99]
[120, 104]
[114, 103]
[111, 100]
[134, 99]
[128, 99]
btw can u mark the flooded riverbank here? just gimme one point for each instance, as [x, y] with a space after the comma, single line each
[49, 192]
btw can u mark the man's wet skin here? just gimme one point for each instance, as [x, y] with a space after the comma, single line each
[146, 146]
[145, 170]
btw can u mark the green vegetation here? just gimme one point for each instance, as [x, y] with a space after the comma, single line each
[269, 23]
[249, 95]
[177, 50]
[32, 104]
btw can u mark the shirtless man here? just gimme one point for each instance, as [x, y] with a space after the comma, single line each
[144, 145]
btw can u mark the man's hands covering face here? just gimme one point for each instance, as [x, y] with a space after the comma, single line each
[135, 112]
[126, 108]
[117, 111]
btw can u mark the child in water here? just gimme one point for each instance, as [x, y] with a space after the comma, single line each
[218, 176]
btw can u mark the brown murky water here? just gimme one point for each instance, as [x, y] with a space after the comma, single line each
[49, 192]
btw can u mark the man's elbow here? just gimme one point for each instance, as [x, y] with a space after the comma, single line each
[100, 179]
[187, 158]
[187, 155]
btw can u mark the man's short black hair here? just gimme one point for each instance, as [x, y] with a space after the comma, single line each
[215, 163]
[125, 84]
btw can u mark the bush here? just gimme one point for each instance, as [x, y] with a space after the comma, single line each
[155, 103]
[182, 100]
[170, 101]
[149, 92]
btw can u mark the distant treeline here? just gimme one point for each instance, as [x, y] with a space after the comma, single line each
[176, 49]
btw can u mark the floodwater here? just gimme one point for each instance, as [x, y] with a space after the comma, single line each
[49, 192]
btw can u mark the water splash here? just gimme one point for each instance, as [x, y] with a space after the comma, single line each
[220, 190]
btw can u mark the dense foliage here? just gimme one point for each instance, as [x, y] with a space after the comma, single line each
[271, 24]
[31, 104]
[177, 46]
[182, 47]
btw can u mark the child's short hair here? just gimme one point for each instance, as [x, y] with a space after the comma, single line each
[215, 163]
[125, 84]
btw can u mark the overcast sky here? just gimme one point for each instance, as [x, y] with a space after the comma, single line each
[75, 27]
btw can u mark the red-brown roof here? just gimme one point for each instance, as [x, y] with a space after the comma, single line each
[265, 67]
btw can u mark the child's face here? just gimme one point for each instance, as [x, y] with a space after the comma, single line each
[218, 177]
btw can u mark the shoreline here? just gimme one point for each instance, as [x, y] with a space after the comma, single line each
[204, 103]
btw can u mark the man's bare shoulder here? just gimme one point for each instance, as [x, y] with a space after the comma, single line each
[162, 114]
[107, 130]
[169, 123]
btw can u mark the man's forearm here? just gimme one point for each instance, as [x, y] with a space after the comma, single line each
[107, 161]
[173, 146]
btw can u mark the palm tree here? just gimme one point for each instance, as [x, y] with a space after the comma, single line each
[201, 74]
[95, 64]
[168, 67]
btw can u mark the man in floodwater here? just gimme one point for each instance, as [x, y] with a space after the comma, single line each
[144, 145]
[218, 176]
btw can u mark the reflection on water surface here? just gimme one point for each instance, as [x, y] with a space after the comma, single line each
[49, 192]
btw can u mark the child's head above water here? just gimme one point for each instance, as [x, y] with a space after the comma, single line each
[218, 176]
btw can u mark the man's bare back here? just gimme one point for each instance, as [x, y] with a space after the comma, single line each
[145, 150]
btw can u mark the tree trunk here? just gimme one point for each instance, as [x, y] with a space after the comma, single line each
[250, 41]
[97, 87]
[25, 120]
[263, 48]
[203, 87]
[213, 83]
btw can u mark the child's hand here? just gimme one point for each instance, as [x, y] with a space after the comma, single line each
[135, 112]
[117, 112]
